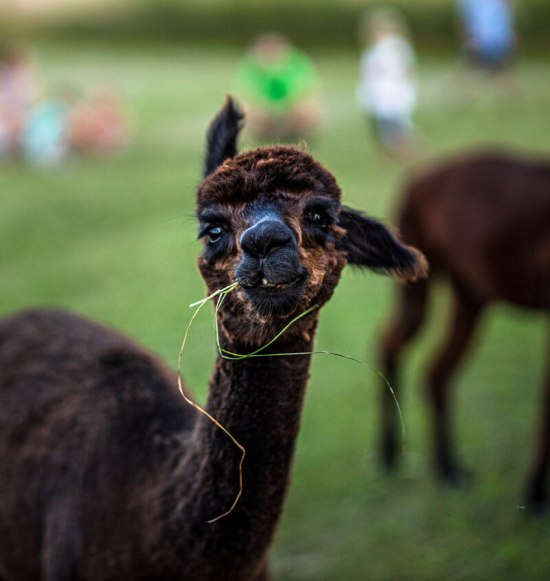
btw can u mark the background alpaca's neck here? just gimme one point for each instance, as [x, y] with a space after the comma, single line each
[259, 401]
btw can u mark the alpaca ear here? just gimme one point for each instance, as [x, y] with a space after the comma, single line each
[221, 139]
[371, 245]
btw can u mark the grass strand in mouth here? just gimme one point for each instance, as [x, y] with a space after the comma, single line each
[221, 294]
[258, 353]
[199, 305]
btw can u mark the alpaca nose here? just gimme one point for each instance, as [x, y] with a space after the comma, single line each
[265, 237]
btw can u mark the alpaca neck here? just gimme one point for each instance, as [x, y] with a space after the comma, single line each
[259, 401]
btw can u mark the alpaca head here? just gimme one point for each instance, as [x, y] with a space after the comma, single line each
[271, 220]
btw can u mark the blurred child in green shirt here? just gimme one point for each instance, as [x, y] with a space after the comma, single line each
[281, 90]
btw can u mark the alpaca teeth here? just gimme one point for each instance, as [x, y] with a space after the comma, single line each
[267, 284]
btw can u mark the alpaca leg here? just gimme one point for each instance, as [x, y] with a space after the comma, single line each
[412, 308]
[466, 312]
[537, 496]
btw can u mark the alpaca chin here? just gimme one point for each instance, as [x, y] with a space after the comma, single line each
[274, 300]
[243, 326]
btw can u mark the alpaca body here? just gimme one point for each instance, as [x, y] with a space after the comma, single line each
[107, 414]
[106, 472]
[483, 222]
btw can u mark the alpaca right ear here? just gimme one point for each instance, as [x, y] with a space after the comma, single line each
[221, 139]
[370, 244]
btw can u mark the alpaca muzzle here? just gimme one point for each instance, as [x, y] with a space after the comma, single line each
[270, 258]
[270, 270]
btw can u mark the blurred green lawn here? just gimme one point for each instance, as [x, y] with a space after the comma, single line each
[115, 240]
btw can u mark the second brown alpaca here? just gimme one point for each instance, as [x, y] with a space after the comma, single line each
[483, 221]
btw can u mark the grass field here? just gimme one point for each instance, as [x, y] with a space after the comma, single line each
[115, 240]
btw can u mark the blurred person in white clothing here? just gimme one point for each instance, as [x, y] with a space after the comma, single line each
[387, 89]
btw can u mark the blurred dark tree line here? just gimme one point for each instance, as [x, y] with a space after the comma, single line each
[311, 23]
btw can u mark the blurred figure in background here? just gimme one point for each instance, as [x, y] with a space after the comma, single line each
[488, 34]
[43, 138]
[281, 89]
[98, 125]
[387, 89]
[47, 129]
[62, 125]
[18, 92]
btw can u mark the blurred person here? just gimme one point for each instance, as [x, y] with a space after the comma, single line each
[387, 90]
[44, 139]
[18, 93]
[98, 125]
[63, 125]
[488, 33]
[281, 89]
[47, 130]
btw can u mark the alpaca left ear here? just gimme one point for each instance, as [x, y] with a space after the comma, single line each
[221, 139]
[371, 245]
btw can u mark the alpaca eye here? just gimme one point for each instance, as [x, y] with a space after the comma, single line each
[318, 218]
[214, 234]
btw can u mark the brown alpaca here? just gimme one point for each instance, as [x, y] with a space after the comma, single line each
[483, 222]
[106, 473]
